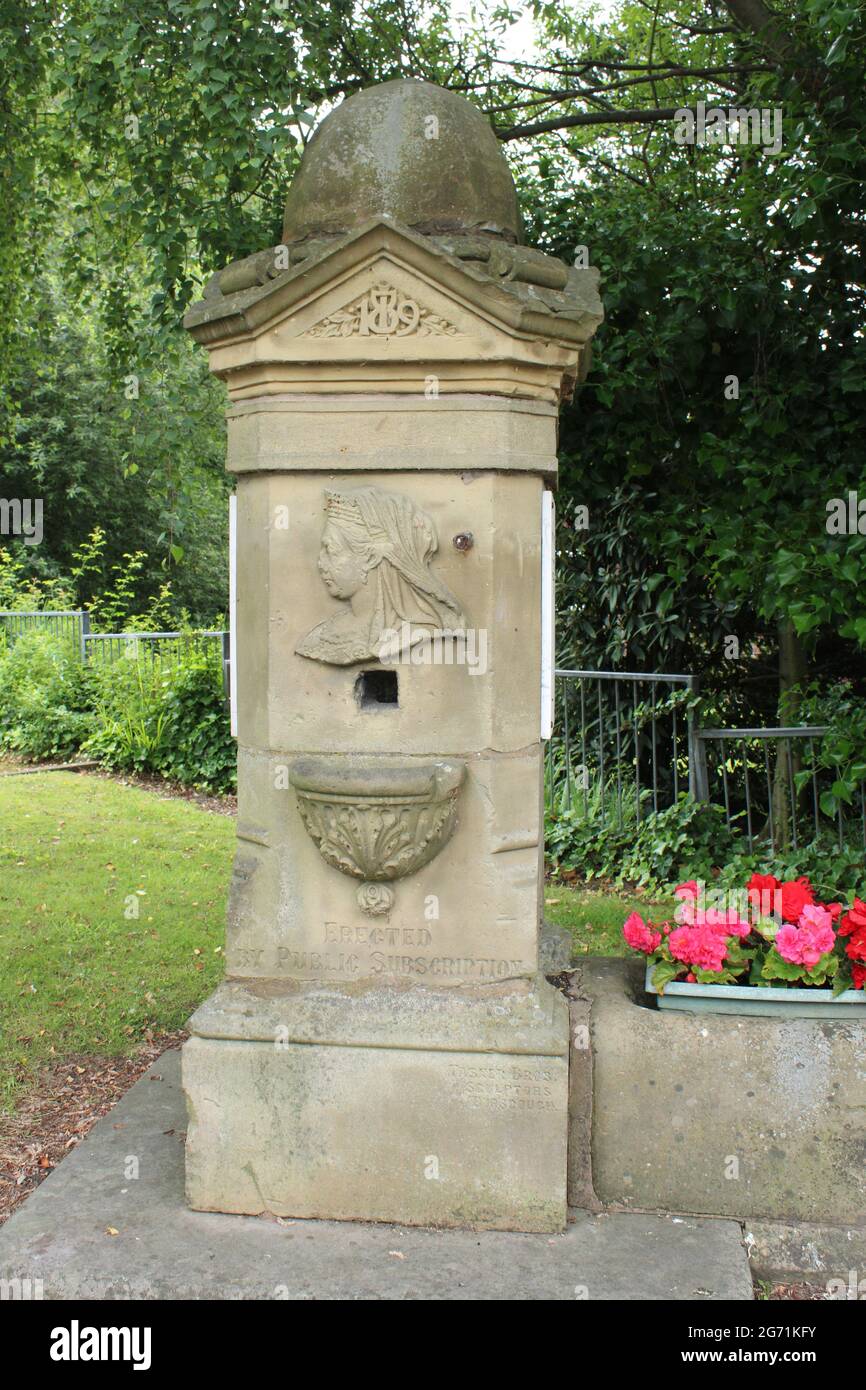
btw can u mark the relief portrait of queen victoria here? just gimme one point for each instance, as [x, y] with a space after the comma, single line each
[375, 555]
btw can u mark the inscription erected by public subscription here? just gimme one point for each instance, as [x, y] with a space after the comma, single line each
[367, 951]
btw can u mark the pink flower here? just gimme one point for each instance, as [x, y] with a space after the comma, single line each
[703, 946]
[818, 939]
[814, 915]
[690, 914]
[680, 942]
[687, 902]
[710, 949]
[787, 943]
[640, 936]
[735, 927]
[716, 916]
[807, 943]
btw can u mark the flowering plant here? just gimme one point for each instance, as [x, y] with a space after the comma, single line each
[771, 932]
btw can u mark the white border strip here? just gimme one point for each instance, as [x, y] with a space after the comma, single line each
[548, 611]
[233, 612]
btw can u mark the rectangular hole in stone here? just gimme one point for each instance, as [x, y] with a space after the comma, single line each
[375, 689]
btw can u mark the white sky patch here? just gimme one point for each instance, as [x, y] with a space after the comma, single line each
[517, 41]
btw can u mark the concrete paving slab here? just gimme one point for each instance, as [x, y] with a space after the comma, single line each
[61, 1235]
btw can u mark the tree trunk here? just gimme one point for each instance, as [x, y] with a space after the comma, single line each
[792, 673]
[767, 26]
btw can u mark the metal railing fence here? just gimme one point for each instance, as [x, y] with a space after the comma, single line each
[622, 740]
[101, 649]
[627, 743]
[63, 623]
[772, 784]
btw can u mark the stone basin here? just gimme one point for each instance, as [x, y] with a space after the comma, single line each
[377, 821]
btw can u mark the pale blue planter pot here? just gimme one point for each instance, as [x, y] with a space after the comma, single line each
[771, 1002]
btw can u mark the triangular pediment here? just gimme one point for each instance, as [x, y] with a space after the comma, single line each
[493, 300]
[382, 308]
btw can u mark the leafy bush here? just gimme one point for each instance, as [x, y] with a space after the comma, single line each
[577, 842]
[116, 605]
[166, 717]
[842, 749]
[129, 725]
[46, 697]
[829, 868]
[690, 839]
[687, 839]
[162, 715]
[197, 728]
[20, 588]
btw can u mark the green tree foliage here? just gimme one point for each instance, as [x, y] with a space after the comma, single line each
[728, 388]
[188, 120]
[146, 147]
[26, 47]
[137, 453]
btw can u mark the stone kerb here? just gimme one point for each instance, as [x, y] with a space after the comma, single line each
[755, 1118]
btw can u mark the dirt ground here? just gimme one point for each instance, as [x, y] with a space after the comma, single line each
[66, 1100]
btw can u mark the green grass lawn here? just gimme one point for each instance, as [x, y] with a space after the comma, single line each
[79, 858]
[595, 916]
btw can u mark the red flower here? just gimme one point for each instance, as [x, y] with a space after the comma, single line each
[762, 889]
[834, 910]
[796, 894]
[858, 975]
[762, 883]
[854, 918]
[856, 948]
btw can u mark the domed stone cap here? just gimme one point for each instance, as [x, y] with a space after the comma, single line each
[376, 155]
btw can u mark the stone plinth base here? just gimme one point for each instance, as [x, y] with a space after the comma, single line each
[385, 1103]
[56, 1247]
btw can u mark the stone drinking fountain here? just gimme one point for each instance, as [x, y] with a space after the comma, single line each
[384, 1046]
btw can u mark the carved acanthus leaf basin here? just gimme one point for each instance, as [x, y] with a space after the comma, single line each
[377, 821]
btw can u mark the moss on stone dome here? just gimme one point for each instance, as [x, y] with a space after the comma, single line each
[410, 151]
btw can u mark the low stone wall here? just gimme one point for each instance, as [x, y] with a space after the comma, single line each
[755, 1118]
